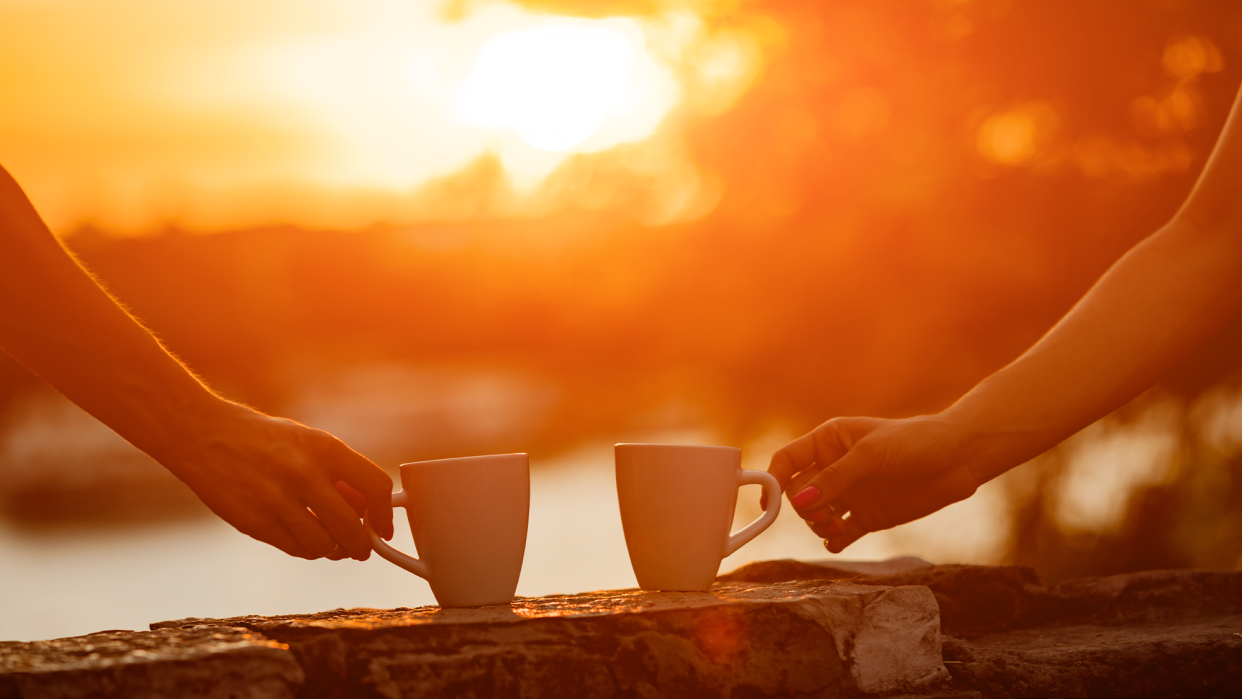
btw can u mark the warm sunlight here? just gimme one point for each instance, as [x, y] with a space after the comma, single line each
[552, 84]
[139, 114]
[582, 289]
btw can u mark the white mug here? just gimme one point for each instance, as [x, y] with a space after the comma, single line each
[469, 519]
[677, 505]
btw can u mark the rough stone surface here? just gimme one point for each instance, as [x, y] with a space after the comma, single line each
[778, 628]
[193, 661]
[1150, 634]
[796, 639]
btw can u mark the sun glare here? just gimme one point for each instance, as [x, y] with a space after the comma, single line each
[339, 114]
[554, 85]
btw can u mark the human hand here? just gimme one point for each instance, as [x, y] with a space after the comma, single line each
[297, 488]
[851, 476]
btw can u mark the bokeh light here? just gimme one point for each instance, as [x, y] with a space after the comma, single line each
[1188, 55]
[1015, 136]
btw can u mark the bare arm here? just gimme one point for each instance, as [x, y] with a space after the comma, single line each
[1163, 298]
[1159, 301]
[259, 473]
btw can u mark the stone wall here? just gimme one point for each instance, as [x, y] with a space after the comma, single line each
[771, 629]
[1173, 633]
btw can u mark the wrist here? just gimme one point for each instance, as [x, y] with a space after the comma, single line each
[982, 448]
[171, 420]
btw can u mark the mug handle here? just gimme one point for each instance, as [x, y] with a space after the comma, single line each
[773, 488]
[390, 554]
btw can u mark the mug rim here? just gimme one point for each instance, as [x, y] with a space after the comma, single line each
[619, 445]
[461, 459]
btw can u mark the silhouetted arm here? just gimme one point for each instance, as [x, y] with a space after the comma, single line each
[257, 472]
[1159, 301]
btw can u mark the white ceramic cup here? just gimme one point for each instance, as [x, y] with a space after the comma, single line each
[677, 507]
[469, 518]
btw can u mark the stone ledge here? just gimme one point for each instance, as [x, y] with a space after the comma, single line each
[198, 661]
[798, 638]
[778, 628]
[1145, 660]
[1149, 634]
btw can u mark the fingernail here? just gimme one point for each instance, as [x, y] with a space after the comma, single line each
[832, 528]
[805, 497]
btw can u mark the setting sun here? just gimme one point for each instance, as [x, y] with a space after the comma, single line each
[553, 84]
[340, 114]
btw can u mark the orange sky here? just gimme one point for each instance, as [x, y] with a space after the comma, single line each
[136, 114]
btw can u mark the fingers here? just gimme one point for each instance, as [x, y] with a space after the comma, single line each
[800, 481]
[791, 459]
[797, 462]
[341, 522]
[794, 483]
[315, 541]
[276, 534]
[826, 520]
[818, 455]
[824, 514]
[873, 505]
[297, 488]
[828, 528]
[849, 532]
[838, 475]
[883, 473]
[374, 485]
[353, 498]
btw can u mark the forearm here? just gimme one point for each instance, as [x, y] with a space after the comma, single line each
[1155, 304]
[58, 322]
[1162, 298]
[276, 480]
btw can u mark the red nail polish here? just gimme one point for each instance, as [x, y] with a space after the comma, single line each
[805, 497]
